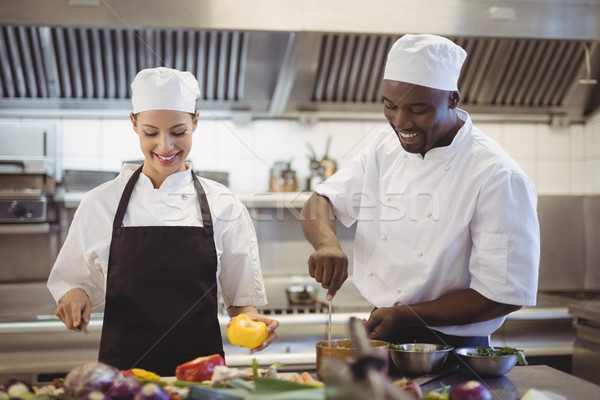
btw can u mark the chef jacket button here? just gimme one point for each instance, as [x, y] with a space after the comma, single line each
[447, 168]
[420, 253]
[383, 237]
[370, 274]
[183, 197]
[428, 215]
[398, 291]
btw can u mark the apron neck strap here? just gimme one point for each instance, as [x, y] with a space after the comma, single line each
[204, 209]
[118, 221]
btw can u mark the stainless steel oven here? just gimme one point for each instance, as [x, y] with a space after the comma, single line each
[29, 229]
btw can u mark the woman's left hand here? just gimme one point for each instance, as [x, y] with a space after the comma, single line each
[272, 324]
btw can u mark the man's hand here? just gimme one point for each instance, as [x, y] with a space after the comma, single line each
[329, 267]
[466, 306]
[75, 309]
[383, 323]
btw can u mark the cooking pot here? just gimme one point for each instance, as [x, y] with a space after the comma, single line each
[345, 351]
[301, 295]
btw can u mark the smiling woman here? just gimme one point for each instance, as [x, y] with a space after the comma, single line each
[166, 140]
[164, 243]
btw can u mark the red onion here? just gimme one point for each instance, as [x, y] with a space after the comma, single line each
[470, 390]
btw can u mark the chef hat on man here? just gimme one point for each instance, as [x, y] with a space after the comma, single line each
[164, 89]
[425, 60]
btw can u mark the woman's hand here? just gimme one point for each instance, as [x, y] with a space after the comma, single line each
[251, 312]
[75, 309]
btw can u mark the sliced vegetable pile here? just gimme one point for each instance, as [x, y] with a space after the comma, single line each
[201, 378]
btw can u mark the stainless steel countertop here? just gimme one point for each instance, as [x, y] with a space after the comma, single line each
[517, 381]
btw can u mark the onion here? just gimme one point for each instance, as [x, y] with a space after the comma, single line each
[16, 388]
[151, 391]
[124, 389]
[470, 390]
[90, 377]
[95, 395]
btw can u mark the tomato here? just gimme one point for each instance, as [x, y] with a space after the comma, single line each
[246, 332]
[200, 369]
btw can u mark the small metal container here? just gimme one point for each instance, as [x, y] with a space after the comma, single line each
[486, 365]
[419, 358]
[345, 351]
[301, 295]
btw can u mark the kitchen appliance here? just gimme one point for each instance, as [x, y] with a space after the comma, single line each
[586, 350]
[29, 230]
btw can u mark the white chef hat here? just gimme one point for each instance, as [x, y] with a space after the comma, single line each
[425, 60]
[164, 89]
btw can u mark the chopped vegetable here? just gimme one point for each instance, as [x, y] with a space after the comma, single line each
[470, 390]
[16, 388]
[141, 373]
[269, 385]
[90, 377]
[95, 395]
[246, 332]
[151, 391]
[496, 353]
[254, 368]
[200, 369]
[124, 388]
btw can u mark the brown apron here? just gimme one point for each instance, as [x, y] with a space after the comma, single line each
[161, 293]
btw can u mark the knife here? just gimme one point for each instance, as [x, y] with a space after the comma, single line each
[424, 379]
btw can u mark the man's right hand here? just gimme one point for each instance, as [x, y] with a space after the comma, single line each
[329, 267]
[75, 309]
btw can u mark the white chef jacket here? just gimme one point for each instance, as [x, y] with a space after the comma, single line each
[463, 216]
[83, 259]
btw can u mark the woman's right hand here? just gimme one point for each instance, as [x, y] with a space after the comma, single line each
[329, 266]
[75, 309]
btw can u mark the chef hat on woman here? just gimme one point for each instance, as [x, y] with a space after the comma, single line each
[425, 60]
[164, 89]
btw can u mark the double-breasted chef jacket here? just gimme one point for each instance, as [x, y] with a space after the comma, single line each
[463, 216]
[83, 262]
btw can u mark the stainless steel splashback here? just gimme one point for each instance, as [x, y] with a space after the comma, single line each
[570, 238]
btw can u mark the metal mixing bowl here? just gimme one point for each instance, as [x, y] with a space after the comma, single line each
[486, 365]
[344, 350]
[419, 358]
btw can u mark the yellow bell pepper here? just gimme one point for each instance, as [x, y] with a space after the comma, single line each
[246, 332]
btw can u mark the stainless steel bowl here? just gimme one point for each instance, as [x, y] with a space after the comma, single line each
[419, 358]
[486, 365]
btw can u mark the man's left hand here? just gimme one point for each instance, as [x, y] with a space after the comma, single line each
[384, 322]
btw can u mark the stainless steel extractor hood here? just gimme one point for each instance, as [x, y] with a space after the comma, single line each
[271, 59]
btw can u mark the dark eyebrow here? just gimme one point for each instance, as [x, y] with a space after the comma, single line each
[409, 105]
[174, 126]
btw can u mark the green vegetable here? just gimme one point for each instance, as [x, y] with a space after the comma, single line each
[439, 394]
[270, 385]
[254, 368]
[396, 346]
[240, 384]
[496, 353]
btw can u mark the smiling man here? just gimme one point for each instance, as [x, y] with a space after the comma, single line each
[447, 237]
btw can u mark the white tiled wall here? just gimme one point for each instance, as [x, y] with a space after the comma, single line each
[559, 160]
